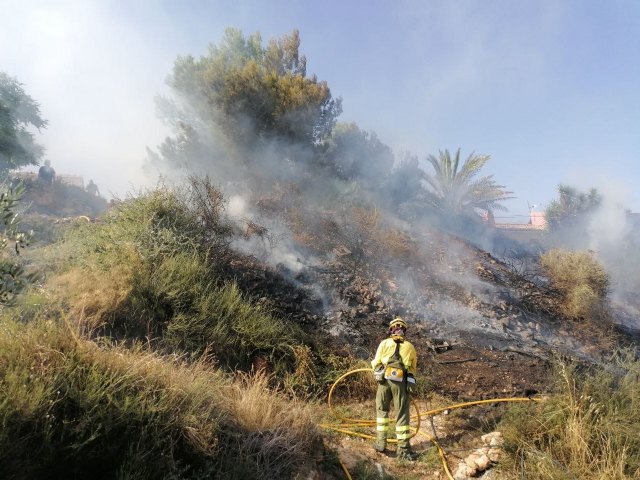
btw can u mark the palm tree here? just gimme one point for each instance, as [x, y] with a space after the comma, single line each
[455, 189]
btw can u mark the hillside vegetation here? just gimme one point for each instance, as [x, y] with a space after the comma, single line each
[119, 357]
[150, 270]
[132, 347]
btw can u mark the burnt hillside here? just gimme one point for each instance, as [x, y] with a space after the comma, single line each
[483, 326]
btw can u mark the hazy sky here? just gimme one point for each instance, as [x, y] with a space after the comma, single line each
[549, 89]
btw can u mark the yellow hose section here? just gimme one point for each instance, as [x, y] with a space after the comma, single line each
[348, 423]
[479, 402]
[441, 454]
[346, 470]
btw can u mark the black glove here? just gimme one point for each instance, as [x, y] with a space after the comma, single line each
[411, 384]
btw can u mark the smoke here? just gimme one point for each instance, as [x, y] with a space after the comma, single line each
[609, 225]
[611, 235]
[237, 207]
[298, 198]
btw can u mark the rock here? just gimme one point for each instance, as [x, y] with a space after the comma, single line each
[493, 439]
[497, 441]
[483, 462]
[495, 454]
[463, 472]
[472, 461]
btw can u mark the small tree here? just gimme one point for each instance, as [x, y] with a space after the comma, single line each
[354, 154]
[405, 189]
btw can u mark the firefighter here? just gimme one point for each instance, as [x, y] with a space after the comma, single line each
[46, 173]
[394, 368]
[92, 189]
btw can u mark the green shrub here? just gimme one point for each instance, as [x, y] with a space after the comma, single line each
[13, 277]
[588, 430]
[147, 271]
[580, 279]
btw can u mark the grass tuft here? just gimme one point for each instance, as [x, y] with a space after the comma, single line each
[588, 430]
[581, 280]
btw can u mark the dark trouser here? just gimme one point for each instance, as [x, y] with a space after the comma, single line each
[397, 391]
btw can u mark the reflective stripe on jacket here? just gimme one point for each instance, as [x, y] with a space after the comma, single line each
[387, 348]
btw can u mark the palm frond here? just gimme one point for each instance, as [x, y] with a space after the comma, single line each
[453, 187]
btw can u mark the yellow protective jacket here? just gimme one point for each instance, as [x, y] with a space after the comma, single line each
[387, 348]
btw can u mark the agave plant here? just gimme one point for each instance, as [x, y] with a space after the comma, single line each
[454, 188]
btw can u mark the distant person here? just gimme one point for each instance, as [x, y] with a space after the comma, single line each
[394, 368]
[47, 174]
[92, 189]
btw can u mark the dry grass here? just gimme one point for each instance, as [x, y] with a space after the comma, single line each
[397, 247]
[94, 296]
[358, 234]
[589, 430]
[75, 408]
[280, 428]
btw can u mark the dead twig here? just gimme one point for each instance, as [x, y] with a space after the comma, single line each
[463, 360]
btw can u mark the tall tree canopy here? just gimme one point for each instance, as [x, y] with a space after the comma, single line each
[452, 187]
[251, 92]
[404, 187]
[354, 154]
[18, 112]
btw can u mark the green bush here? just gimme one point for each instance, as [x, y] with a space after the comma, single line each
[13, 277]
[147, 272]
[581, 280]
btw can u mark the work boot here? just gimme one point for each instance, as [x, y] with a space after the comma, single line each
[407, 454]
[380, 445]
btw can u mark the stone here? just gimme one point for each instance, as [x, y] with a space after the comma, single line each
[495, 454]
[483, 462]
[497, 441]
[493, 439]
[471, 461]
[463, 472]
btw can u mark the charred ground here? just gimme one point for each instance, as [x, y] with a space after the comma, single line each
[482, 328]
